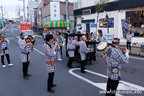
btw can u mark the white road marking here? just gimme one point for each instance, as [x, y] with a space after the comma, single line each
[39, 51]
[122, 86]
[136, 58]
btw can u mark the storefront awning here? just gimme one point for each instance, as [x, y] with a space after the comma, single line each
[88, 21]
[56, 24]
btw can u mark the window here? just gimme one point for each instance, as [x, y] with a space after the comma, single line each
[86, 12]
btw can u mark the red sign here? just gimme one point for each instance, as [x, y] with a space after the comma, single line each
[25, 26]
[38, 20]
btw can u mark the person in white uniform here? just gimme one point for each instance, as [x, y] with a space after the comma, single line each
[25, 46]
[4, 50]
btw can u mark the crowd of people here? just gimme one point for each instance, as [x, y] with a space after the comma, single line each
[53, 45]
[114, 58]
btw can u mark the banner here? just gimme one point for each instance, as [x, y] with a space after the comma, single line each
[125, 27]
[104, 24]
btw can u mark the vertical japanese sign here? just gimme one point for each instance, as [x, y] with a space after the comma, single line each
[125, 27]
[55, 10]
[35, 17]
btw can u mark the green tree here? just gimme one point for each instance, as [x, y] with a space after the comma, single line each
[100, 8]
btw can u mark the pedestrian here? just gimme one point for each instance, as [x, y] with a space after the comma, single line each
[44, 34]
[114, 60]
[71, 48]
[83, 52]
[92, 37]
[25, 46]
[129, 40]
[58, 52]
[53, 32]
[61, 41]
[87, 36]
[50, 54]
[4, 50]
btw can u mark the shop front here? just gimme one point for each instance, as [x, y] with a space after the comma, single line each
[136, 19]
[55, 25]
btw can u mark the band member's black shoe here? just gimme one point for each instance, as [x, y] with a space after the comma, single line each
[26, 78]
[28, 75]
[51, 91]
[54, 85]
[83, 72]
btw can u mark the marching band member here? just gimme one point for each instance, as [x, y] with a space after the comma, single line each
[50, 54]
[83, 51]
[25, 46]
[44, 34]
[61, 42]
[101, 37]
[4, 50]
[114, 60]
[58, 52]
[71, 47]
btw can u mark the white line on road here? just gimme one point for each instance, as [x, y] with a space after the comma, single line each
[39, 51]
[122, 86]
[136, 58]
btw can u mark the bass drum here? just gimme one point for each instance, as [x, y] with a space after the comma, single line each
[102, 46]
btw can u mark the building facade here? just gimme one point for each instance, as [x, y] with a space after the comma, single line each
[53, 15]
[123, 15]
[31, 9]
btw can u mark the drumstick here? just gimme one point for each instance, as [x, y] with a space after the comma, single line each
[105, 62]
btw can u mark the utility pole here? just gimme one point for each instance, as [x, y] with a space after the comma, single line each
[2, 12]
[24, 9]
[19, 13]
[67, 14]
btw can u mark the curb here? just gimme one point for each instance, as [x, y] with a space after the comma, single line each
[140, 54]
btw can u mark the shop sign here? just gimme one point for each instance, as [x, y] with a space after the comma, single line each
[109, 36]
[93, 25]
[55, 10]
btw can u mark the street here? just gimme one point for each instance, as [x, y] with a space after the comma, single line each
[70, 82]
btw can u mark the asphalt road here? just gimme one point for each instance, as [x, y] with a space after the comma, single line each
[13, 84]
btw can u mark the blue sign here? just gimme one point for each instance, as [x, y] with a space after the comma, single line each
[93, 25]
[1, 22]
[111, 22]
[109, 36]
[132, 34]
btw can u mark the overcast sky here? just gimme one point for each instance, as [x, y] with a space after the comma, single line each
[11, 7]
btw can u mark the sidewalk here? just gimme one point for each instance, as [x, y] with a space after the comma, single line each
[136, 51]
